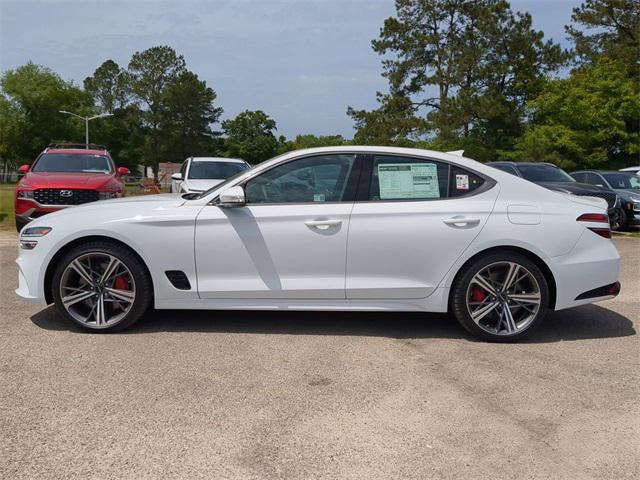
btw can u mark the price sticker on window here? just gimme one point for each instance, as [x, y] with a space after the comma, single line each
[462, 182]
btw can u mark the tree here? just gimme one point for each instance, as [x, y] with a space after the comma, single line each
[150, 72]
[11, 120]
[108, 86]
[607, 27]
[464, 67]
[188, 111]
[394, 123]
[589, 120]
[250, 136]
[36, 95]
[310, 141]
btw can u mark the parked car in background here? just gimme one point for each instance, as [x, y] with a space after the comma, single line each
[198, 174]
[64, 175]
[554, 178]
[635, 170]
[625, 184]
[365, 228]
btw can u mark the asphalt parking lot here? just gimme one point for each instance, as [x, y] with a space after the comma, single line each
[319, 395]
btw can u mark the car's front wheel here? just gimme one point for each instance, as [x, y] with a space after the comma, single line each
[101, 286]
[500, 297]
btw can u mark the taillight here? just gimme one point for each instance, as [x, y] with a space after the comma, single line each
[597, 218]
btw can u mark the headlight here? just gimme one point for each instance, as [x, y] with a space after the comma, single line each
[35, 231]
[107, 195]
[29, 233]
[25, 193]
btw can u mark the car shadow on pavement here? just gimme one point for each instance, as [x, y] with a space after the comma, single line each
[580, 323]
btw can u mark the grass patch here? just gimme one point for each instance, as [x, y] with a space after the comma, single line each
[7, 220]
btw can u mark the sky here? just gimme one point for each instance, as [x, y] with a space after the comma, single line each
[302, 62]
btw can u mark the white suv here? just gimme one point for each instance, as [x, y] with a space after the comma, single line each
[199, 174]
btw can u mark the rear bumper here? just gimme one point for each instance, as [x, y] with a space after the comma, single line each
[594, 262]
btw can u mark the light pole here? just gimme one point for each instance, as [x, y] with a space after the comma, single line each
[86, 123]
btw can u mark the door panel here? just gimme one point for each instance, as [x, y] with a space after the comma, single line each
[290, 240]
[403, 247]
[272, 251]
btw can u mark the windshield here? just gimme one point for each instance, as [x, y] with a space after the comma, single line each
[622, 180]
[544, 173]
[72, 163]
[215, 170]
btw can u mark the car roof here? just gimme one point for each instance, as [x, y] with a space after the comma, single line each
[76, 151]
[599, 171]
[515, 164]
[218, 159]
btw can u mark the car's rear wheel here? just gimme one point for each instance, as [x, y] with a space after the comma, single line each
[501, 297]
[101, 286]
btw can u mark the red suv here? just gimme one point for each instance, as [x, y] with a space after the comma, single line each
[63, 176]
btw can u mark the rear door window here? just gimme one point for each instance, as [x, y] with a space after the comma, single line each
[409, 178]
[406, 178]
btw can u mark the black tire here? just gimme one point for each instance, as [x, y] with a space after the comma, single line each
[461, 289]
[142, 293]
[618, 220]
[624, 220]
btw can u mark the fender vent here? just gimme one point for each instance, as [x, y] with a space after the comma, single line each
[178, 279]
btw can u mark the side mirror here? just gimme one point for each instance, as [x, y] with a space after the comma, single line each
[23, 168]
[232, 197]
[123, 171]
[176, 176]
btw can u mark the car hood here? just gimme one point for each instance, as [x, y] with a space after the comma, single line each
[67, 180]
[141, 204]
[202, 185]
[628, 192]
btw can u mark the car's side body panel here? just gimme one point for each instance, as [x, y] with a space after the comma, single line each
[401, 250]
[268, 251]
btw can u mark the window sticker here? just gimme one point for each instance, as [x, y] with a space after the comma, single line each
[462, 182]
[318, 197]
[408, 180]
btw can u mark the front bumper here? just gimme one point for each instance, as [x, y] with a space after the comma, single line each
[27, 290]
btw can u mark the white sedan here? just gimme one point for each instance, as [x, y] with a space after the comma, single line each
[198, 174]
[340, 228]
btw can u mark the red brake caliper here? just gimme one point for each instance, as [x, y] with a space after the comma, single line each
[121, 283]
[477, 294]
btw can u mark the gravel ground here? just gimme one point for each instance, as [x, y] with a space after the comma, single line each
[319, 395]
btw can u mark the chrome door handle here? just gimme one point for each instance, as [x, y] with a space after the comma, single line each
[461, 221]
[322, 224]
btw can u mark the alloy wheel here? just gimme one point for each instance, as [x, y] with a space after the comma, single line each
[97, 289]
[503, 298]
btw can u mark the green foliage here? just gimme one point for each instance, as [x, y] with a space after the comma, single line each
[394, 123]
[108, 86]
[310, 141]
[188, 112]
[589, 120]
[33, 96]
[608, 27]
[250, 136]
[457, 68]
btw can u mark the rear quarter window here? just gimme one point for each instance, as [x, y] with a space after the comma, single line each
[463, 182]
